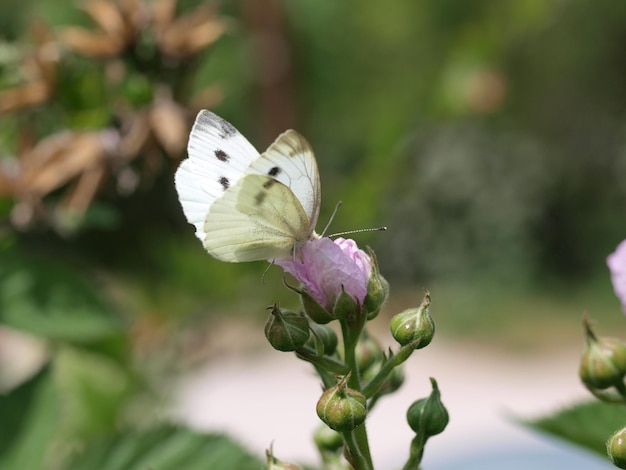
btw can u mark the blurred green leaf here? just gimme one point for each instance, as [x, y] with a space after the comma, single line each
[588, 424]
[52, 301]
[29, 423]
[94, 391]
[81, 90]
[167, 448]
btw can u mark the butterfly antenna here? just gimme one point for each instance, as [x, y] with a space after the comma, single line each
[337, 206]
[377, 229]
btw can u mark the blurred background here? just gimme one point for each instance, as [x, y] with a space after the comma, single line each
[489, 137]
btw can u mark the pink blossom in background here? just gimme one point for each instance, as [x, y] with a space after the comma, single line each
[617, 265]
[326, 265]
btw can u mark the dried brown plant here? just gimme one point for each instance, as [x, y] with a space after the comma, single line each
[138, 140]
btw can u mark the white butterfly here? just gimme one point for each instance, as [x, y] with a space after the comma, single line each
[246, 206]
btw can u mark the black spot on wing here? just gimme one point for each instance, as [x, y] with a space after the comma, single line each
[224, 182]
[221, 156]
[260, 197]
[211, 120]
[228, 130]
[274, 171]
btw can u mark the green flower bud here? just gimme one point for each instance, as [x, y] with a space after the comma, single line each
[323, 336]
[603, 363]
[428, 416]
[345, 306]
[342, 408]
[286, 330]
[377, 289]
[311, 307]
[414, 325]
[314, 310]
[327, 439]
[616, 448]
[368, 352]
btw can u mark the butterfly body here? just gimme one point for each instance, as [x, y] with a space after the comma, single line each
[247, 206]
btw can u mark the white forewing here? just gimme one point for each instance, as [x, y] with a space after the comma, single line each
[291, 161]
[218, 158]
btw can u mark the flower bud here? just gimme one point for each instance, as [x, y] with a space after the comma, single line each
[314, 310]
[367, 352]
[616, 448]
[345, 306]
[428, 416]
[286, 330]
[323, 336]
[603, 363]
[414, 325]
[342, 408]
[377, 289]
[327, 439]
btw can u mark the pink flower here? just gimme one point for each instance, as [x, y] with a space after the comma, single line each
[324, 266]
[617, 265]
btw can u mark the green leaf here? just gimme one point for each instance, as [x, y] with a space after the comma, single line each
[167, 448]
[52, 301]
[587, 424]
[94, 390]
[28, 424]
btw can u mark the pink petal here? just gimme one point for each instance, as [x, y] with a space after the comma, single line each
[617, 265]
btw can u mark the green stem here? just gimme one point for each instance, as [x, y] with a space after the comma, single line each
[416, 453]
[360, 437]
[359, 459]
[325, 362]
[328, 380]
[356, 440]
[372, 387]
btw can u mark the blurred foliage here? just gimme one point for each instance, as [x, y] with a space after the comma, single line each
[38, 433]
[167, 448]
[588, 425]
[52, 301]
[488, 136]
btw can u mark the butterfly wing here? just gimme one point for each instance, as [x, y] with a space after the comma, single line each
[291, 161]
[218, 158]
[246, 206]
[259, 218]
